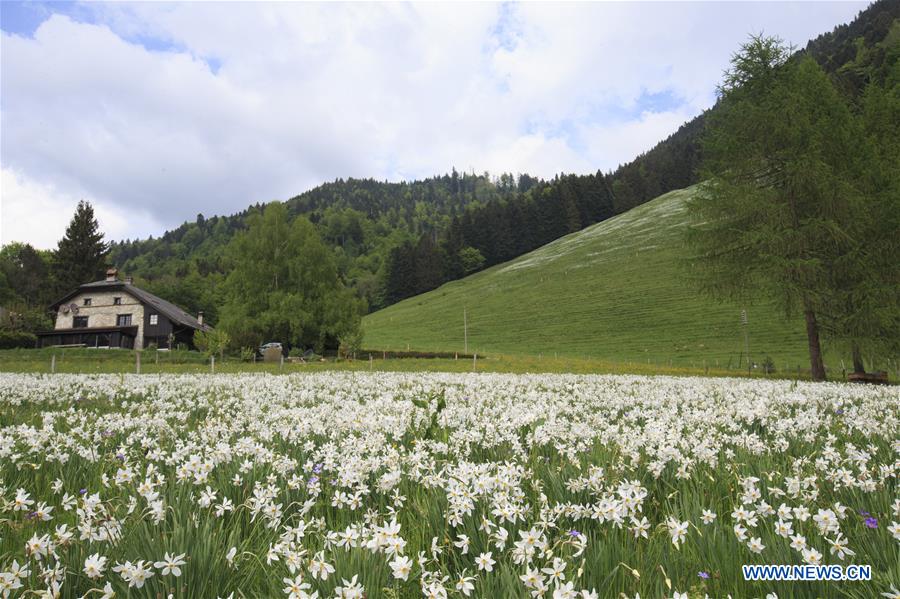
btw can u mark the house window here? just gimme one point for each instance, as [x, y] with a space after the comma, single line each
[154, 319]
[87, 301]
[80, 322]
[123, 320]
[117, 301]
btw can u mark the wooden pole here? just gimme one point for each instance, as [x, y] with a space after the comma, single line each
[465, 332]
[474, 361]
[370, 362]
[212, 364]
[281, 364]
[137, 362]
[53, 363]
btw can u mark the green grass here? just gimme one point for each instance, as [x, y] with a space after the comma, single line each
[91, 361]
[618, 291]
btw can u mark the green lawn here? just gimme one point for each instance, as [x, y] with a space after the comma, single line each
[124, 361]
[619, 291]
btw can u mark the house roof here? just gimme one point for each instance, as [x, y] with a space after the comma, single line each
[168, 309]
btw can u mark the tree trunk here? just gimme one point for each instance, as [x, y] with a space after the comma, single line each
[858, 366]
[817, 367]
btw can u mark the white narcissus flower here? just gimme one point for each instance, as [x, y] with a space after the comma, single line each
[485, 562]
[401, 566]
[94, 566]
[170, 565]
[755, 545]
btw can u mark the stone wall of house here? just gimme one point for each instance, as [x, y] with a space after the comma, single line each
[103, 312]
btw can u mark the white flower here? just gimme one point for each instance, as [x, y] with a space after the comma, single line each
[677, 530]
[462, 543]
[464, 584]
[401, 567]
[94, 566]
[318, 567]
[229, 557]
[296, 588]
[755, 545]
[485, 562]
[708, 517]
[170, 565]
[811, 556]
[565, 591]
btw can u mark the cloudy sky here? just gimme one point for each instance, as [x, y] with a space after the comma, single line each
[158, 111]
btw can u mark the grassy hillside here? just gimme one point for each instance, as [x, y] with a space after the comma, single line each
[617, 291]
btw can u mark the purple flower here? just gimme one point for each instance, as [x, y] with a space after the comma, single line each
[312, 480]
[839, 411]
[863, 513]
[120, 457]
[871, 522]
[574, 533]
[703, 575]
[82, 491]
[317, 468]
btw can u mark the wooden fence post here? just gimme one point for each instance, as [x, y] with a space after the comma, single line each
[137, 362]
[212, 364]
[53, 363]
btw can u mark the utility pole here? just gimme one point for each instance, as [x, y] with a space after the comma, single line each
[465, 331]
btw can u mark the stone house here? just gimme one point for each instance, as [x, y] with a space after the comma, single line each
[115, 313]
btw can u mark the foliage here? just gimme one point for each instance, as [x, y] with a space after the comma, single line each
[470, 259]
[777, 209]
[23, 317]
[80, 256]
[284, 285]
[212, 341]
[350, 343]
[24, 274]
[10, 339]
[863, 309]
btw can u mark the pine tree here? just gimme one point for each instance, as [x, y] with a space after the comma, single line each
[80, 256]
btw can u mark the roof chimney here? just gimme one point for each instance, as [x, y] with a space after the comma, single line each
[200, 317]
[112, 274]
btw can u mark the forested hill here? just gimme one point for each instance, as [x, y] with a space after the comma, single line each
[395, 240]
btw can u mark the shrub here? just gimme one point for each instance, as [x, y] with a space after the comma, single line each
[13, 339]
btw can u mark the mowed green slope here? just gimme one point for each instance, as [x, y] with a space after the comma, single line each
[618, 290]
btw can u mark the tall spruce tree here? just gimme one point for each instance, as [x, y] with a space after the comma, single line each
[778, 206]
[80, 256]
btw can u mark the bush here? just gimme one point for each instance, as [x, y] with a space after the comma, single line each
[14, 339]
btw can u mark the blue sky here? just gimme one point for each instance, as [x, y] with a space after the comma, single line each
[158, 111]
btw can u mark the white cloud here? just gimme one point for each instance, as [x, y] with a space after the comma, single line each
[303, 93]
[38, 213]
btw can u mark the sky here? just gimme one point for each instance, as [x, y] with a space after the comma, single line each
[155, 112]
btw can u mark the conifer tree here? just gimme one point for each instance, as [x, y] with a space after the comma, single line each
[80, 256]
[777, 209]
